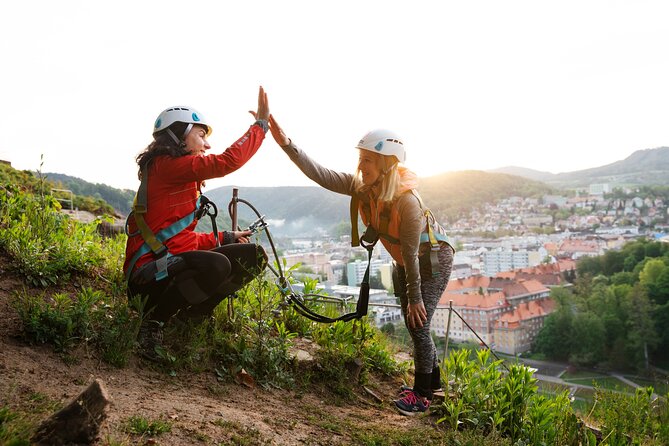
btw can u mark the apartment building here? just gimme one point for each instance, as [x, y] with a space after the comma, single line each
[499, 260]
[515, 331]
[506, 313]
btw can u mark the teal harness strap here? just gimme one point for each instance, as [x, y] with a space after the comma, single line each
[162, 236]
[424, 237]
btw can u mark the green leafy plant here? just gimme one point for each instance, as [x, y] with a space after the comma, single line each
[89, 316]
[116, 326]
[59, 320]
[490, 399]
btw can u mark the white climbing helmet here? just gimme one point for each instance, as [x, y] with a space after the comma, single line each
[384, 142]
[180, 113]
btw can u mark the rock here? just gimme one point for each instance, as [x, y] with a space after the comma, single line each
[79, 422]
[301, 356]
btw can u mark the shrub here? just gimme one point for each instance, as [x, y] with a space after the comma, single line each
[489, 399]
[46, 246]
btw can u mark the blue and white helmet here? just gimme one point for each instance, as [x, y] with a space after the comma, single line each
[180, 113]
[384, 142]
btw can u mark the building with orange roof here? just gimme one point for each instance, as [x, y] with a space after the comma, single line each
[509, 306]
[515, 331]
[551, 248]
[548, 274]
[478, 310]
[576, 248]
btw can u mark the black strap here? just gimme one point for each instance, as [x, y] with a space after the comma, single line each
[362, 305]
[209, 208]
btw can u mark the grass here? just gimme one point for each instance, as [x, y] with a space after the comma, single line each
[661, 387]
[582, 375]
[21, 414]
[604, 382]
[240, 434]
[140, 425]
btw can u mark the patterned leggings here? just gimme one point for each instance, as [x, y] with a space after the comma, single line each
[425, 352]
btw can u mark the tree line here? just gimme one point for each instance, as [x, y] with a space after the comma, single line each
[616, 314]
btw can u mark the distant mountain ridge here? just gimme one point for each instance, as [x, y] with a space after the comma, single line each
[643, 167]
[312, 210]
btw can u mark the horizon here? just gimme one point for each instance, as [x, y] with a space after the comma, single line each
[309, 183]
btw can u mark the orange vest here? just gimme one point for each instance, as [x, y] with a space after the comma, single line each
[384, 218]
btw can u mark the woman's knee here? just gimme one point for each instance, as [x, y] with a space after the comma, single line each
[251, 258]
[207, 262]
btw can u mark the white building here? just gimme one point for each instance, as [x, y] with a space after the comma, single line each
[504, 260]
[599, 189]
[355, 271]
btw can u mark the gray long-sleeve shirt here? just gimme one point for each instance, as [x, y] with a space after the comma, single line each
[412, 219]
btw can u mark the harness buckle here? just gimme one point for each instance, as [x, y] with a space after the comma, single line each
[161, 266]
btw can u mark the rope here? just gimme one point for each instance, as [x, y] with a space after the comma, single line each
[295, 299]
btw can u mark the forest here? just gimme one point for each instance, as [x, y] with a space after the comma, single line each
[616, 314]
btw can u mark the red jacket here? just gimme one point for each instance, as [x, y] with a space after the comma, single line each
[173, 189]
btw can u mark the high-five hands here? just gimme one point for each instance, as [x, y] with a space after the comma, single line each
[277, 132]
[263, 106]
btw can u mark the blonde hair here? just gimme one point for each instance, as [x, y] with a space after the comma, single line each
[390, 178]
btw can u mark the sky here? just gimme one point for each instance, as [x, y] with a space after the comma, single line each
[554, 86]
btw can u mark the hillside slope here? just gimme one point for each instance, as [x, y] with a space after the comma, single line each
[201, 409]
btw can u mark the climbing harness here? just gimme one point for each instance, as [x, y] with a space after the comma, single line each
[299, 301]
[156, 242]
[383, 222]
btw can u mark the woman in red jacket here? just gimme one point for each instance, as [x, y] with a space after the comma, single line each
[183, 271]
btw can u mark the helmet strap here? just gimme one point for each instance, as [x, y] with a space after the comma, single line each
[173, 136]
[379, 179]
[188, 129]
[180, 142]
[387, 170]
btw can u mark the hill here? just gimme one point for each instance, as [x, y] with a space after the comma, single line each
[455, 193]
[119, 199]
[313, 210]
[643, 167]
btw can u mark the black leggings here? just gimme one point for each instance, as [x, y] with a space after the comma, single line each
[197, 280]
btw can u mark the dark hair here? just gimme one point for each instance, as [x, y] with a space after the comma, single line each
[162, 144]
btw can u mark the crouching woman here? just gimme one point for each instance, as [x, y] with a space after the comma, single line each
[180, 271]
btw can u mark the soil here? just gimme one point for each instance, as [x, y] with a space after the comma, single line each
[201, 409]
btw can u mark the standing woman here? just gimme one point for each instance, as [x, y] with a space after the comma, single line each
[180, 270]
[386, 197]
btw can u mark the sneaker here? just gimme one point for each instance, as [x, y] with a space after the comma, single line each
[149, 338]
[412, 403]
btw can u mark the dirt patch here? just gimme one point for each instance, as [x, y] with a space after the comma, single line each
[200, 409]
